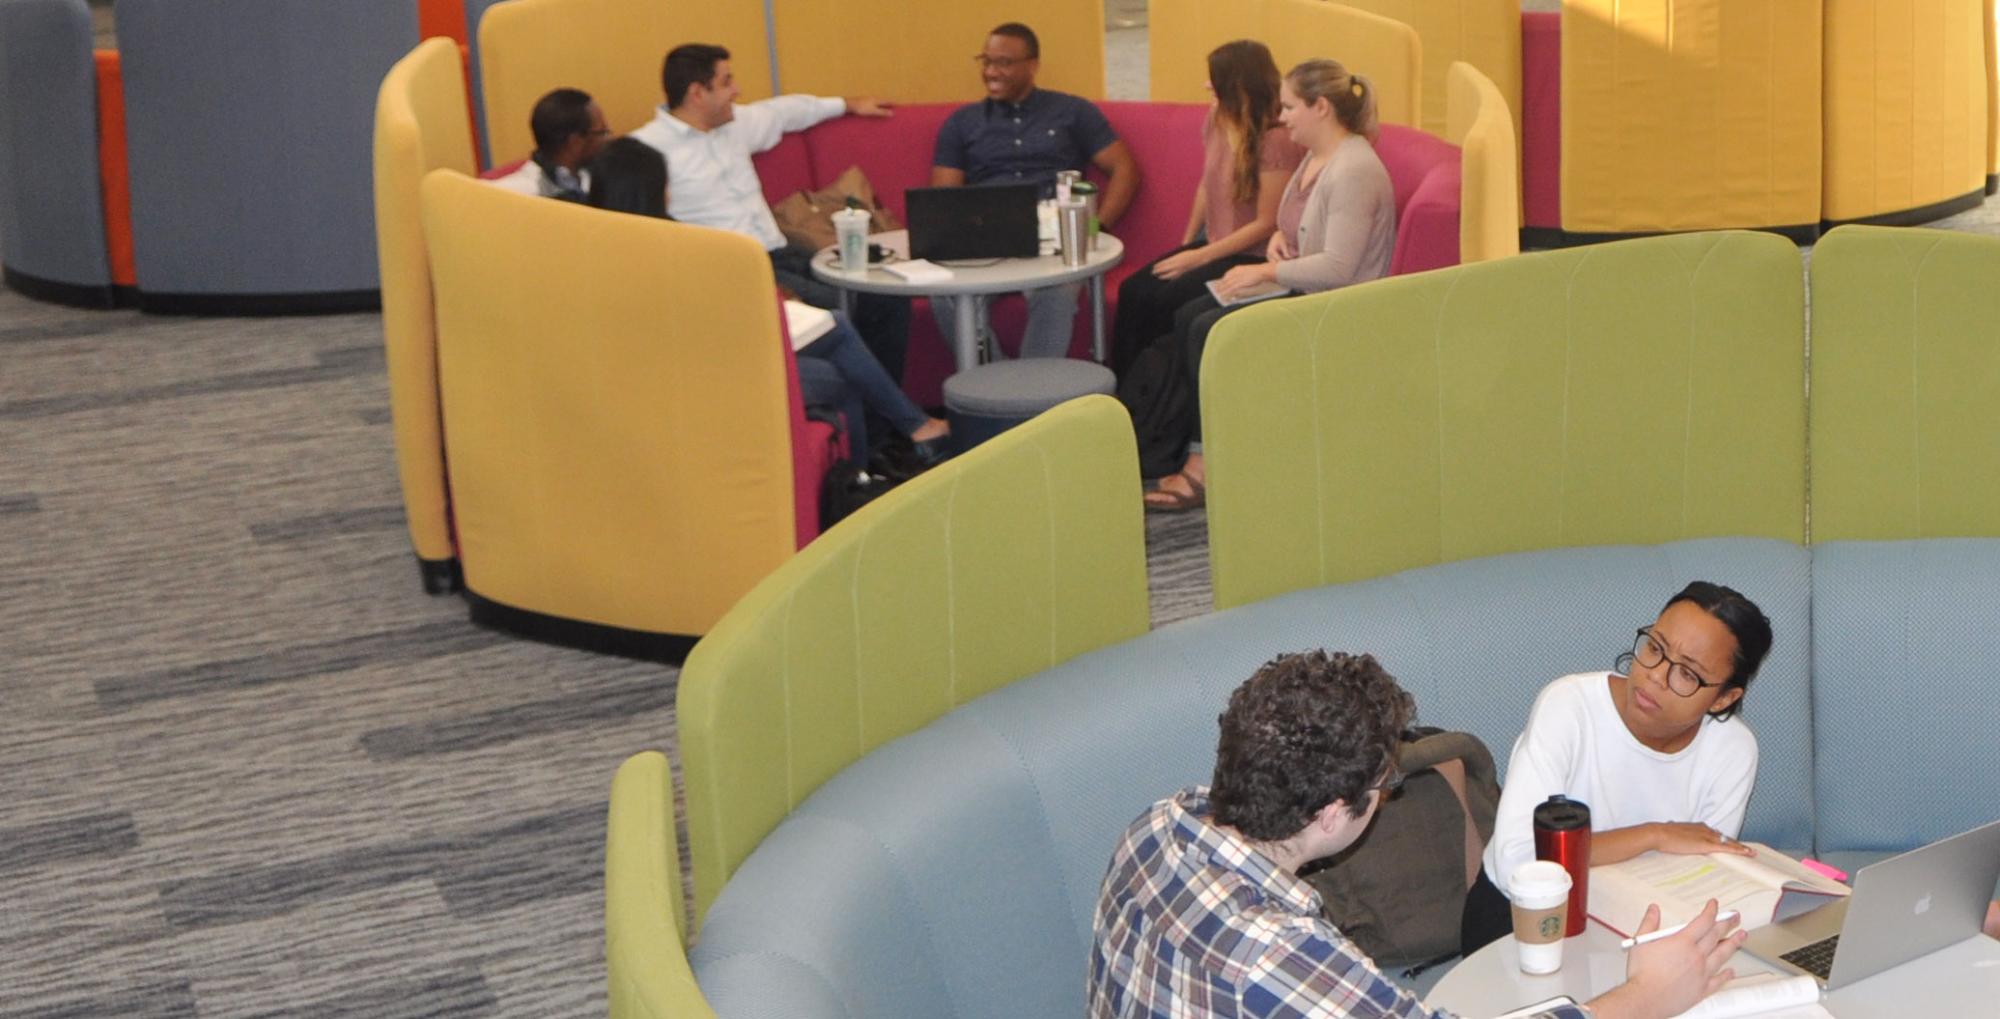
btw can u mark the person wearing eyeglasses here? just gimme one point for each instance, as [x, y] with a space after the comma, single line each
[1020, 134]
[1655, 748]
[569, 132]
[1202, 912]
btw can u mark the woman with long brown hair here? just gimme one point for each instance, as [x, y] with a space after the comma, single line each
[1246, 158]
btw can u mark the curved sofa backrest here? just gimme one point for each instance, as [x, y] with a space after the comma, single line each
[1385, 51]
[1902, 686]
[51, 202]
[1905, 385]
[584, 376]
[1009, 560]
[420, 126]
[1489, 224]
[1424, 172]
[1644, 391]
[955, 872]
[282, 211]
[645, 943]
[922, 52]
[1485, 34]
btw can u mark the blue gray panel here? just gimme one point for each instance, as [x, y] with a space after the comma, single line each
[250, 125]
[474, 10]
[51, 205]
[866, 900]
[1903, 690]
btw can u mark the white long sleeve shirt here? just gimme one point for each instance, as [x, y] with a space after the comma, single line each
[1576, 745]
[710, 179]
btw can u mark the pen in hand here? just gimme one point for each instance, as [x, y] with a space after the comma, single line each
[1667, 932]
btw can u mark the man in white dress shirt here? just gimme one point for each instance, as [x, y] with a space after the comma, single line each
[708, 140]
[569, 132]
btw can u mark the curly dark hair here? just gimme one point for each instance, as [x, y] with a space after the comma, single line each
[1307, 729]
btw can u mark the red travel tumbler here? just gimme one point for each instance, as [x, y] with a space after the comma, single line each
[1562, 834]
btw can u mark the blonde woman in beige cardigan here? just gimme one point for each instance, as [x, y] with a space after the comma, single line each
[1336, 227]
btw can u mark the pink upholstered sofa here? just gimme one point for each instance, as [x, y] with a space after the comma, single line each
[1164, 138]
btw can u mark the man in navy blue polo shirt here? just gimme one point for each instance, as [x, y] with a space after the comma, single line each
[1022, 134]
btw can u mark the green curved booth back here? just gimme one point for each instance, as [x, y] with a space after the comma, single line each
[645, 935]
[1009, 560]
[1629, 393]
[1905, 385]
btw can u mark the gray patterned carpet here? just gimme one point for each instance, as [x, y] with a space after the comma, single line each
[252, 769]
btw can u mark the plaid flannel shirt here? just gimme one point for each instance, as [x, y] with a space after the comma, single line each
[1193, 921]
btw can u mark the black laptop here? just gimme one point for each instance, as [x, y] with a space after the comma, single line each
[987, 221]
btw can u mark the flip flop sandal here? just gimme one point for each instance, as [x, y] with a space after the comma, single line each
[1178, 502]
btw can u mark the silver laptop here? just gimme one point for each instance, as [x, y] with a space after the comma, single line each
[1902, 908]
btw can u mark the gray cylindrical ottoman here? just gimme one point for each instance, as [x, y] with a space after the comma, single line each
[982, 402]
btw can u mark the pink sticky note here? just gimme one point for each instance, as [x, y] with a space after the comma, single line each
[1820, 868]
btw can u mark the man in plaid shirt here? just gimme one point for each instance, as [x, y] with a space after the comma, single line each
[1202, 912]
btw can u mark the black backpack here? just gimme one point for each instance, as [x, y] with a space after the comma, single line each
[1399, 892]
[1157, 392]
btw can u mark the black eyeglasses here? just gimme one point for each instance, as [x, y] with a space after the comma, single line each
[1681, 677]
[1000, 63]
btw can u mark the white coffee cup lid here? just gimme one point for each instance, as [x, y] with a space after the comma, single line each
[1539, 879]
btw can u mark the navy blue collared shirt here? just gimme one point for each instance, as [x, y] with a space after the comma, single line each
[996, 142]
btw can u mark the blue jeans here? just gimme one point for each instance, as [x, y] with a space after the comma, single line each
[839, 371]
[1051, 313]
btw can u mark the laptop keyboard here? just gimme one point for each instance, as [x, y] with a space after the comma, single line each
[1816, 958]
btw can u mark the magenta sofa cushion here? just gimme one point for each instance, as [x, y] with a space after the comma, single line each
[1424, 170]
[1541, 119]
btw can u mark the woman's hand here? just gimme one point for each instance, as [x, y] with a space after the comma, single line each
[1246, 277]
[1280, 247]
[1694, 840]
[1179, 262]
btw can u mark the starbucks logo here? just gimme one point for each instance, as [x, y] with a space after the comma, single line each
[1552, 927]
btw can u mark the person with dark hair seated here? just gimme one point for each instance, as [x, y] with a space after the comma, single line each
[836, 370]
[709, 139]
[1656, 750]
[569, 131]
[1202, 911]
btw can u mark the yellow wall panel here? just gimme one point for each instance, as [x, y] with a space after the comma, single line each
[1385, 51]
[1905, 113]
[1484, 33]
[921, 52]
[1992, 98]
[1689, 115]
[611, 49]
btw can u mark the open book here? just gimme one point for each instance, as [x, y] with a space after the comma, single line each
[806, 323]
[1767, 995]
[1253, 294]
[1766, 887]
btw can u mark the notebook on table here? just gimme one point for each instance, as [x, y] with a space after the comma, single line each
[1765, 887]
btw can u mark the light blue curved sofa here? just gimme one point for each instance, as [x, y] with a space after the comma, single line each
[953, 872]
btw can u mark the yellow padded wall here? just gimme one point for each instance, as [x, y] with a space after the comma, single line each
[1905, 104]
[920, 51]
[1635, 392]
[1483, 33]
[1004, 562]
[1690, 115]
[1992, 96]
[420, 126]
[1489, 212]
[617, 416]
[1385, 51]
[611, 49]
[1905, 385]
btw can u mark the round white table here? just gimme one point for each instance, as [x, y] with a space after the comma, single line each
[975, 277]
[1963, 980]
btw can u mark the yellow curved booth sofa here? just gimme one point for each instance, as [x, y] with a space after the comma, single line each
[1905, 385]
[618, 433]
[1489, 209]
[922, 52]
[1362, 432]
[1386, 51]
[1690, 115]
[420, 126]
[611, 49]
[1021, 554]
[1906, 87]
[1485, 34]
